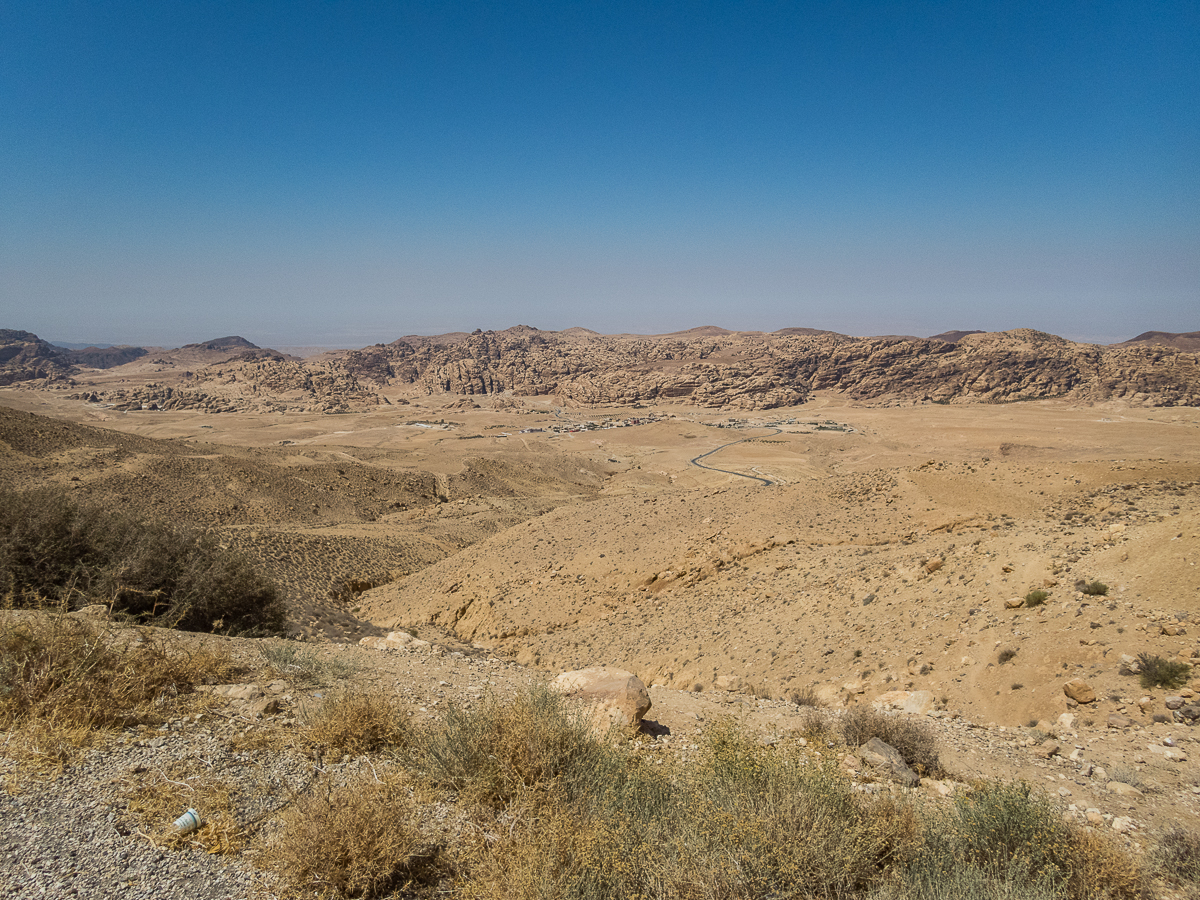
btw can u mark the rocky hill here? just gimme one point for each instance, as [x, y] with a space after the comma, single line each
[764, 371]
[705, 367]
[1188, 341]
[25, 357]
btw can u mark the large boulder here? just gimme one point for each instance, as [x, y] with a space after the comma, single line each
[616, 697]
[887, 758]
[1079, 691]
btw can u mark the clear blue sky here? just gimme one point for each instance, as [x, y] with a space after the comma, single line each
[341, 173]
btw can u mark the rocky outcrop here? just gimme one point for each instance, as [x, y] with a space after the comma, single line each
[104, 357]
[26, 357]
[707, 367]
[762, 371]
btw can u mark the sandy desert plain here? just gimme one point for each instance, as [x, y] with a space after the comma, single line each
[525, 536]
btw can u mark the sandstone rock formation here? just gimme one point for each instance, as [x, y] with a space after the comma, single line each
[762, 371]
[705, 367]
[26, 357]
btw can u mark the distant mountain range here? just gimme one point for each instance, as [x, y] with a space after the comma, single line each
[707, 366]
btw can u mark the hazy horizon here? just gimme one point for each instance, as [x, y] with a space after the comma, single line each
[338, 175]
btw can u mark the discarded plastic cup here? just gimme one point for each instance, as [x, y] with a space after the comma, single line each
[188, 822]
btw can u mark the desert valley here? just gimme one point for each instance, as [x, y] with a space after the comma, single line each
[989, 533]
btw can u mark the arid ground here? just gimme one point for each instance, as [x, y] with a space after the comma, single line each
[833, 549]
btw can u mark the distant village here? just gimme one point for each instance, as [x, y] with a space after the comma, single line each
[651, 418]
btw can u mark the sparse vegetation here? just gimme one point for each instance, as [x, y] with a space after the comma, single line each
[1130, 776]
[1177, 855]
[493, 752]
[57, 552]
[1094, 588]
[61, 681]
[297, 662]
[913, 740]
[1159, 672]
[1006, 654]
[805, 697]
[1018, 836]
[358, 722]
[1036, 598]
[360, 840]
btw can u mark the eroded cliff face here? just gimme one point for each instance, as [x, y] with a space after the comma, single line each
[26, 357]
[762, 371]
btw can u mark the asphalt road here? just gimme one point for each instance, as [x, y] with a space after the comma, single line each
[696, 460]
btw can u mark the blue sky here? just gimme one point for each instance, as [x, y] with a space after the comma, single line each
[342, 173]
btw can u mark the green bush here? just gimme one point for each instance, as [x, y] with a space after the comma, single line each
[1036, 598]
[1095, 589]
[55, 551]
[1159, 672]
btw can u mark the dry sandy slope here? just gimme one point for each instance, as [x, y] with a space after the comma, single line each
[693, 581]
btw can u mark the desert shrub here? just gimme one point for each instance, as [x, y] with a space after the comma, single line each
[61, 668]
[300, 663]
[1130, 776]
[1006, 654]
[1036, 598]
[742, 821]
[1159, 672]
[1177, 854]
[361, 840]
[54, 550]
[61, 682]
[805, 697]
[949, 879]
[1095, 589]
[760, 691]
[498, 749]
[1006, 829]
[913, 740]
[358, 722]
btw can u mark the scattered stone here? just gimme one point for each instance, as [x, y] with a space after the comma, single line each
[249, 691]
[1116, 720]
[1124, 790]
[1046, 749]
[934, 564]
[1174, 702]
[1014, 603]
[1123, 824]
[728, 682]
[879, 755]
[1172, 754]
[1079, 691]
[1066, 721]
[915, 702]
[265, 707]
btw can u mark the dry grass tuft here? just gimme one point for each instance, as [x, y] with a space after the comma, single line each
[913, 740]
[495, 751]
[361, 840]
[62, 669]
[358, 722]
[63, 679]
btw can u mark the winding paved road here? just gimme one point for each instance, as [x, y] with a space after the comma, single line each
[766, 481]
